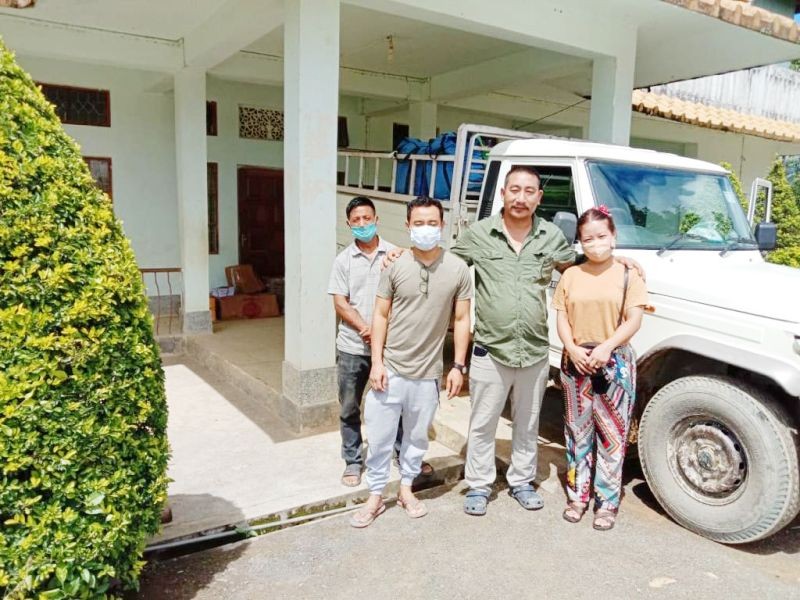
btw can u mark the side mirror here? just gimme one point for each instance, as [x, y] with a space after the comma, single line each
[568, 224]
[766, 236]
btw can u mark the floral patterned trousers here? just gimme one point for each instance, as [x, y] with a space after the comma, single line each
[597, 417]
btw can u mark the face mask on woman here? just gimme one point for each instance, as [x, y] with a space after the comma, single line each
[598, 250]
[425, 237]
[365, 233]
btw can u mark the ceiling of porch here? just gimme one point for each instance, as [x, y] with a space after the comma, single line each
[673, 43]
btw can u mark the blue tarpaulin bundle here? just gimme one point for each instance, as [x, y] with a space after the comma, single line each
[442, 145]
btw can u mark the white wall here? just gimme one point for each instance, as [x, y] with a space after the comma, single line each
[141, 144]
[230, 151]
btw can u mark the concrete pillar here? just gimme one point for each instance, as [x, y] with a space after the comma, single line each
[612, 88]
[190, 163]
[311, 90]
[422, 120]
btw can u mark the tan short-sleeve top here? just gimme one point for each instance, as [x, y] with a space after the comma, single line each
[422, 302]
[593, 301]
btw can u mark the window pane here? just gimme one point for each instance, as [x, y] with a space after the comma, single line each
[80, 106]
[100, 168]
[654, 207]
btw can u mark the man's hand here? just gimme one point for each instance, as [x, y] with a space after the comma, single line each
[378, 378]
[631, 264]
[600, 356]
[580, 358]
[391, 256]
[455, 379]
[366, 334]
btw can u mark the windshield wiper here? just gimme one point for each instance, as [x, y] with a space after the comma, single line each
[731, 244]
[680, 238]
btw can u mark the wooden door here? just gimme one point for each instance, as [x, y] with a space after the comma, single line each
[261, 220]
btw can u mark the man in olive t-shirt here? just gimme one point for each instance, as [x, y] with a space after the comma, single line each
[415, 299]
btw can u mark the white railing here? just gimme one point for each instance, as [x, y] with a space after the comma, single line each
[377, 171]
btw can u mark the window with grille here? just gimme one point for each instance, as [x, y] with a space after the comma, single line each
[260, 123]
[213, 208]
[100, 168]
[79, 106]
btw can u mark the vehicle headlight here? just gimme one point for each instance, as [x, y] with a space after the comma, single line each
[797, 344]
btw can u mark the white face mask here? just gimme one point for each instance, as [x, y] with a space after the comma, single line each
[598, 250]
[426, 237]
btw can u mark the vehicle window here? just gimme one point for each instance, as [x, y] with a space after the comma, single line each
[654, 207]
[559, 191]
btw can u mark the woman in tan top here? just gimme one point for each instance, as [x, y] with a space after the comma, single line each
[600, 305]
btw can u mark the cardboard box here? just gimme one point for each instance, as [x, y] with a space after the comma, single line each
[248, 306]
[212, 307]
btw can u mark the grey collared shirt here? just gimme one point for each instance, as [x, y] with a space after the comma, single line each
[356, 276]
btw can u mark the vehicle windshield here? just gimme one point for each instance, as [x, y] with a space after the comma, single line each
[657, 208]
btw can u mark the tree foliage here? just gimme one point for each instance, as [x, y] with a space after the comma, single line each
[83, 447]
[785, 211]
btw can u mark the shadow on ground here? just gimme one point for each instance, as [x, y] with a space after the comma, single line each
[160, 574]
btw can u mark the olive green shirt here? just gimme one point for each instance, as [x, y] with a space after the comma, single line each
[510, 289]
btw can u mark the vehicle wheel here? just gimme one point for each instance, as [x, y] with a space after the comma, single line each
[721, 458]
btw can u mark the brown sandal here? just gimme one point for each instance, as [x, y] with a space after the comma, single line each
[574, 511]
[604, 519]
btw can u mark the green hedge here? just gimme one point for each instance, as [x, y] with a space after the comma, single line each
[785, 213]
[83, 415]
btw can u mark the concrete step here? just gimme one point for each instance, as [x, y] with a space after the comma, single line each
[231, 373]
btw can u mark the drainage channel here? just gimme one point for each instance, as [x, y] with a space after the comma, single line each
[206, 541]
[261, 526]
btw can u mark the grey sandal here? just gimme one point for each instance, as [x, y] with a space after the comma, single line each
[352, 470]
[476, 502]
[528, 498]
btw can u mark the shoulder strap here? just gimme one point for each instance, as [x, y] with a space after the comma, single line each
[624, 296]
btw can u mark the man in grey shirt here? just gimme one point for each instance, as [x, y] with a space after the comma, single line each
[354, 280]
[414, 303]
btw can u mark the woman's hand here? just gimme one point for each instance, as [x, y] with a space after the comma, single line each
[600, 356]
[580, 358]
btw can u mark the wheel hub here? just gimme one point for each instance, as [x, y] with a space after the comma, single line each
[710, 459]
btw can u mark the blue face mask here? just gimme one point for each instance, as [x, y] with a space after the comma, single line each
[365, 233]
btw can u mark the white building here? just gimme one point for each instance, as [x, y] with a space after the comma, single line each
[280, 75]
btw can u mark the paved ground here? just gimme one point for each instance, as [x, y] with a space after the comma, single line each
[233, 459]
[509, 553]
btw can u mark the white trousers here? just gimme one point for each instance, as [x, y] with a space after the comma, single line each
[416, 400]
[489, 385]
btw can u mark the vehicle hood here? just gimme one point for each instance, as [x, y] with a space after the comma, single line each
[755, 288]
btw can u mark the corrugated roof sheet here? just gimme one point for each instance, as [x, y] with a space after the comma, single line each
[723, 119]
[746, 15]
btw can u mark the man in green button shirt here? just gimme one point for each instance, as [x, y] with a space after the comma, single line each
[514, 254]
